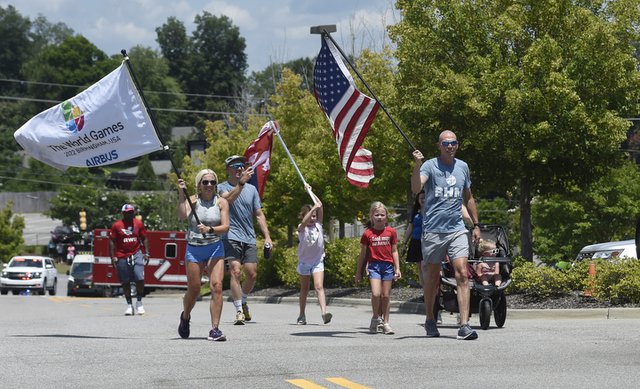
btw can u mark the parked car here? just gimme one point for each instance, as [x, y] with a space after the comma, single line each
[609, 250]
[28, 272]
[81, 278]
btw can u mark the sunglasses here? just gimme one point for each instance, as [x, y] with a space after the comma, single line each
[447, 143]
[207, 182]
[236, 165]
[491, 251]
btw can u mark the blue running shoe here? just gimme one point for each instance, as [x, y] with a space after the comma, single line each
[216, 335]
[466, 333]
[431, 328]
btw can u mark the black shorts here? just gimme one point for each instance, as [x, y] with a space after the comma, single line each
[414, 253]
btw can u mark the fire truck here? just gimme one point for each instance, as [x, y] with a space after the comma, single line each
[166, 267]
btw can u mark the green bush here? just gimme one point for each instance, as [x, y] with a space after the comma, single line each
[538, 282]
[341, 261]
[618, 281]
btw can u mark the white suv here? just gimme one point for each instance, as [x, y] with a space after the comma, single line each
[29, 272]
[609, 250]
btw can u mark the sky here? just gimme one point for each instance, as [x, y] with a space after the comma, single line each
[275, 30]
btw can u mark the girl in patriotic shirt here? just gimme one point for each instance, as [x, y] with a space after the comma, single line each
[379, 248]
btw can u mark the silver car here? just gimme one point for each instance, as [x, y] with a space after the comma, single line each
[29, 273]
[609, 250]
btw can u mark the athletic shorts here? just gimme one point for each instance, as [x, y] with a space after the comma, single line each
[437, 246]
[414, 253]
[131, 269]
[380, 270]
[204, 253]
[306, 269]
[239, 251]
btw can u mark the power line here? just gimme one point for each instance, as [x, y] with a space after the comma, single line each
[147, 92]
[177, 110]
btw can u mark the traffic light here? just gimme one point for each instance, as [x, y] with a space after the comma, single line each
[83, 220]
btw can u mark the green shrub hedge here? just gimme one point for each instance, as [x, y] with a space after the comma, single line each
[617, 282]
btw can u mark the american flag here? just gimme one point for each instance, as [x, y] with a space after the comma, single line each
[349, 112]
[258, 154]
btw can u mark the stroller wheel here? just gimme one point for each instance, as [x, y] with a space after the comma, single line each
[500, 313]
[485, 313]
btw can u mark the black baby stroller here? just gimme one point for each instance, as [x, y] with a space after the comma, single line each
[484, 298]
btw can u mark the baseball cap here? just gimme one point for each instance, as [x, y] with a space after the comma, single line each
[232, 158]
[128, 208]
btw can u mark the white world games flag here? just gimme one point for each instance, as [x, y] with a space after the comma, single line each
[107, 123]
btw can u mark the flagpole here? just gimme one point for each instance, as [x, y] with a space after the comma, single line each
[325, 31]
[286, 149]
[155, 126]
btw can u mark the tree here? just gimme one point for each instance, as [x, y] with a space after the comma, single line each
[605, 211]
[11, 227]
[75, 61]
[161, 91]
[15, 43]
[536, 87]
[102, 206]
[263, 84]
[211, 62]
[146, 178]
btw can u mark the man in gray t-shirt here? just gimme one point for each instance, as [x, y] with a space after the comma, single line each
[240, 242]
[447, 184]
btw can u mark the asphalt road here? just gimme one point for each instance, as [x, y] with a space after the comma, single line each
[67, 342]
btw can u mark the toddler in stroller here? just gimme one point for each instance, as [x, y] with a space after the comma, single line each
[488, 271]
[485, 298]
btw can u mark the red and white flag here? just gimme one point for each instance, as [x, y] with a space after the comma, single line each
[349, 111]
[258, 154]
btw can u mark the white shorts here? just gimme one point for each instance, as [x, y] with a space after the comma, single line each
[306, 269]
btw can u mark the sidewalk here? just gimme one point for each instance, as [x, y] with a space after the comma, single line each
[418, 308]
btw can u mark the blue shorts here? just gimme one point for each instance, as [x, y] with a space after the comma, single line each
[131, 269]
[381, 270]
[437, 246]
[306, 269]
[204, 253]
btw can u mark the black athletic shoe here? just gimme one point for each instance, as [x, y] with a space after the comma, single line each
[183, 328]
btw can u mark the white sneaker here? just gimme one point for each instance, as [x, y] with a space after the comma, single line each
[139, 308]
[129, 310]
[439, 318]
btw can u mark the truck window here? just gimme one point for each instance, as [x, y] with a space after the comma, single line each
[170, 250]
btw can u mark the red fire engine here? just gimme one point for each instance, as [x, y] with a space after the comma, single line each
[166, 268]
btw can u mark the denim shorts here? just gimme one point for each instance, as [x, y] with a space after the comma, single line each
[204, 253]
[131, 270]
[381, 270]
[306, 269]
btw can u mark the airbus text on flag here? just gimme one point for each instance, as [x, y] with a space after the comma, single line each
[258, 154]
[349, 112]
[107, 123]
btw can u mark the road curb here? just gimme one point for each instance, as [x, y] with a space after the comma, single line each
[514, 314]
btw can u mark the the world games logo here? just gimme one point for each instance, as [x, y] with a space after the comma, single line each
[73, 116]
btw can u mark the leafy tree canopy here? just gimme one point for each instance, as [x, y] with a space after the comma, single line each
[11, 227]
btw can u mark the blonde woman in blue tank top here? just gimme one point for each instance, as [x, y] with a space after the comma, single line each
[204, 247]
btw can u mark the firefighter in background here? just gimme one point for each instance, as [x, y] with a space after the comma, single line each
[129, 253]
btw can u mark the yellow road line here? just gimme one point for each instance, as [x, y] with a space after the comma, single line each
[305, 384]
[346, 383]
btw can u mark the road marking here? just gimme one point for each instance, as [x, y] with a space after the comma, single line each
[343, 382]
[305, 384]
[346, 383]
